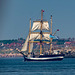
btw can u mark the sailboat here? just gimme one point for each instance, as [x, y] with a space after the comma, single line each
[40, 34]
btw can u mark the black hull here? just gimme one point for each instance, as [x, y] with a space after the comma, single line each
[45, 58]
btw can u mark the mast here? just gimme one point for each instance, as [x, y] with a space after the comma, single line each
[51, 26]
[41, 31]
[51, 37]
[29, 35]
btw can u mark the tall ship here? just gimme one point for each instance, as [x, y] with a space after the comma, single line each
[40, 34]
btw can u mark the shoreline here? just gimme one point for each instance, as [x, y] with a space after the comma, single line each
[10, 55]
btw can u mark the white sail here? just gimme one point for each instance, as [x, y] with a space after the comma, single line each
[45, 25]
[46, 37]
[34, 36]
[37, 36]
[24, 48]
[31, 47]
[37, 25]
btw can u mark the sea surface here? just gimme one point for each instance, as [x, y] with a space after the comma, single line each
[16, 66]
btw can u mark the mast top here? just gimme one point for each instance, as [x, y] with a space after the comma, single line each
[42, 14]
[51, 26]
[51, 15]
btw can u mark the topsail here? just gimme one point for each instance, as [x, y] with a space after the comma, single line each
[37, 25]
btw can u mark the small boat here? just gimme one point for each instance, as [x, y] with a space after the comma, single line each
[40, 34]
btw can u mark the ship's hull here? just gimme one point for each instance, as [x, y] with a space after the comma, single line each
[45, 58]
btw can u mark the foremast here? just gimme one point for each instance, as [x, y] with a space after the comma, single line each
[29, 36]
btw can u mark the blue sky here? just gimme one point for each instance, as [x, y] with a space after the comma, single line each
[15, 15]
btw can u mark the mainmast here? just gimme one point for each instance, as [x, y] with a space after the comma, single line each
[41, 31]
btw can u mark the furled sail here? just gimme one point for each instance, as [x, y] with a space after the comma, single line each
[24, 48]
[37, 25]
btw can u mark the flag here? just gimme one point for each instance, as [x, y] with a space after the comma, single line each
[42, 10]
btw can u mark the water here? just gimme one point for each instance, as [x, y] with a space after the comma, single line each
[16, 66]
